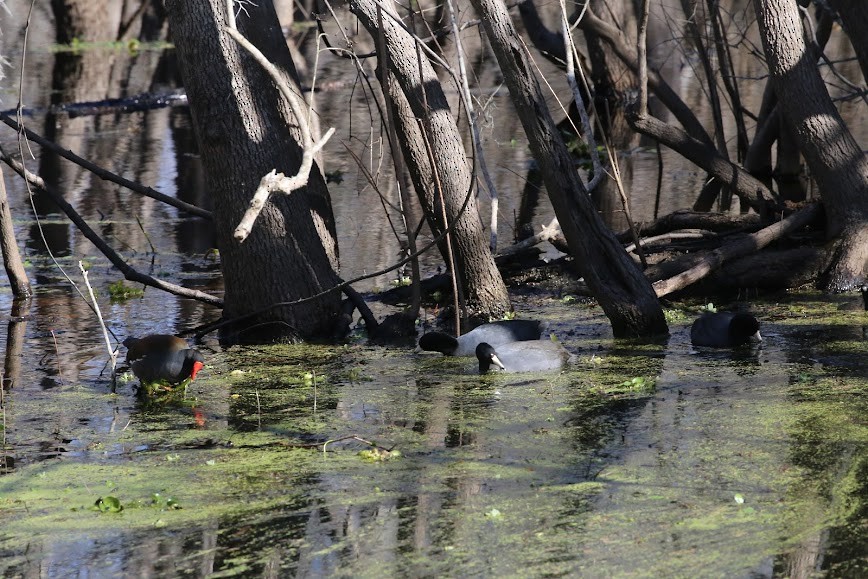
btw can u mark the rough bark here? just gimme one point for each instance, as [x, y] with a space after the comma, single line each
[617, 283]
[836, 160]
[244, 131]
[433, 151]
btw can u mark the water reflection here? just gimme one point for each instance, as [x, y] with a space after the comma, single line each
[500, 476]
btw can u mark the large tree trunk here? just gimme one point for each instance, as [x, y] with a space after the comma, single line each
[621, 289]
[434, 153]
[837, 162]
[243, 129]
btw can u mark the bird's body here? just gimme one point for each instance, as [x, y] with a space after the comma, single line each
[163, 358]
[140, 347]
[531, 356]
[724, 330]
[494, 333]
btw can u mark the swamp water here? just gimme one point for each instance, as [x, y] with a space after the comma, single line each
[639, 460]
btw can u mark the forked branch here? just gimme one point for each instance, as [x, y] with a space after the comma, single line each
[274, 181]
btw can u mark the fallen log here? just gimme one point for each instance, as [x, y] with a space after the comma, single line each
[713, 260]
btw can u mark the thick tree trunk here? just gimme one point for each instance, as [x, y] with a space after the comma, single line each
[621, 289]
[243, 128]
[434, 153]
[836, 160]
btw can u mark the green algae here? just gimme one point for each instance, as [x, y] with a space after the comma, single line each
[638, 460]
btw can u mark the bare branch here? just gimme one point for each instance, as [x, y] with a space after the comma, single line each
[105, 174]
[548, 233]
[752, 243]
[278, 182]
[587, 132]
[129, 272]
[112, 352]
[274, 182]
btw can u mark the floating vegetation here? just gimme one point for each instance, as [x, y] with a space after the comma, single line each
[121, 292]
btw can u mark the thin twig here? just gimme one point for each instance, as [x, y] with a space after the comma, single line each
[350, 437]
[625, 203]
[57, 357]
[473, 118]
[258, 409]
[587, 131]
[113, 352]
[145, 233]
[314, 391]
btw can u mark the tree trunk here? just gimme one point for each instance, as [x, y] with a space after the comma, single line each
[835, 159]
[621, 289]
[244, 131]
[434, 153]
[612, 81]
[854, 19]
[11, 256]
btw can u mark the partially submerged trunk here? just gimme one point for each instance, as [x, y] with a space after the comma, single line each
[436, 159]
[617, 283]
[11, 256]
[243, 128]
[836, 160]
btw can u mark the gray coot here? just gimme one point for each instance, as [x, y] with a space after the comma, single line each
[724, 330]
[494, 333]
[537, 356]
[163, 358]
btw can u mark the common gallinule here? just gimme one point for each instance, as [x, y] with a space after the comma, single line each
[724, 330]
[163, 358]
[494, 333]
[530, 356]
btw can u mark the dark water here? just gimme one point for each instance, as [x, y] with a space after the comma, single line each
[720, 464]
